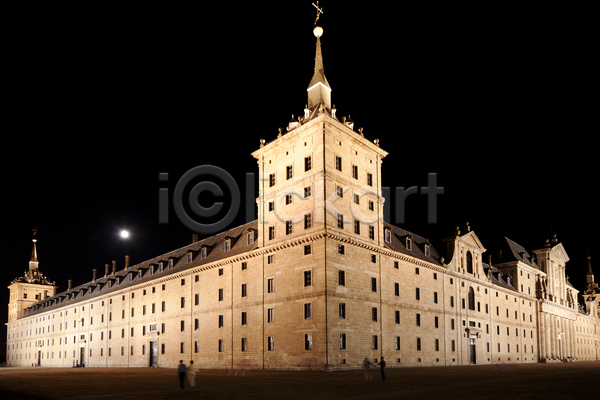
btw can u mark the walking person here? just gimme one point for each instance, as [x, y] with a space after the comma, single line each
[382, 368]
[181, 368]
[366, 366]
[192, 370]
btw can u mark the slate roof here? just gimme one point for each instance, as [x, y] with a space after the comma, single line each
[215, 246]
[498, 278]
[512, 251]
[398, 243]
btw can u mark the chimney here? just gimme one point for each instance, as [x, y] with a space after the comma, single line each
[69, 283]
[195, 238]
[106, 270]
[126, 262]
[114, 267]
[94, 274]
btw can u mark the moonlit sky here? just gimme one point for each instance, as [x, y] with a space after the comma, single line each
[497, 102]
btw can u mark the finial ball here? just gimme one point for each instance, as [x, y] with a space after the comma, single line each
[318, 31]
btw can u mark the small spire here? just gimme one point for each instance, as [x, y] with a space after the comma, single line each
[319, 91]
[34, 250]
[590, 273]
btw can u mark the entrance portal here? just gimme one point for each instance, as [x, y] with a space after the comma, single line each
[82, 356]
[153, 354]
[472, 353]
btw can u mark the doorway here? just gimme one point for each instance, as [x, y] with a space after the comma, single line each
[153, 354]
[39, 358]
[472, 352]
[82, 356]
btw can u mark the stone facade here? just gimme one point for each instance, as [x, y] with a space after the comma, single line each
[319, 281]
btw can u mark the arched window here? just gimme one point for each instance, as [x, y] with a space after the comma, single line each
[471, 298]
[469, 262]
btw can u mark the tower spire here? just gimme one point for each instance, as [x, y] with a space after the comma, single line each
[34, 250]
[590, 273]
[319, 91]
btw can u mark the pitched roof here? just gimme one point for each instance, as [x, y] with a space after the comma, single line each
[398, 243]
[511, 251]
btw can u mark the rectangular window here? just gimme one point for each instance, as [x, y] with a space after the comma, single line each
[220, 320]
[220, 294]
[397, 289]
[270, 285]
[221, 346]
[182, 302]
[417, 294]
[397, 316]
[397, 342]
[307, 221]
[373, 284]
[196, 299]
[307, 278]
[418, 344]
[357, 227]
[271, 343]
[270, 315]
[355, 171]
[307, 310]
[342, 278]
[418, 319]
[271, 232]
[340, 221]
[371, 232]
[244, 290]
[271, 180]
[289, 172]
[196, 324]
[338, 163]
[375, 342]
[341, 249]
[164, 306]
[182, 326]
[342, 341]
[437, 345]
[369, 179]
[307, 249]
[307, 163]
[435, 297]
[307, 192]
[374, 314]
[244, 318]
[342, 310]
[307, 341]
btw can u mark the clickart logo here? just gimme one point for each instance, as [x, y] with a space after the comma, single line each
[206, 199]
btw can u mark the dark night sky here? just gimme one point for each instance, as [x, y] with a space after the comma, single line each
[499, 103]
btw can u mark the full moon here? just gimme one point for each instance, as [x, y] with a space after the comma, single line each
[124, 234]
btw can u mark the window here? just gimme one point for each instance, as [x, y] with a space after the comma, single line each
[221, 346]
[271, 343]
[289, 172]
[418, 319]
[341, 249]
[307, 163]
[418, 344]
[270, 259]
[342, 341]
[339, 191]
[182, 347]
[289, 199]
[227, 244]
[220, 320]
[375, 342]
[307, 310]
[270, 285]
[271, 232]
[338, 163]
[356, 199]
[435, 297]
[408, 243]
[355, 171]
[471, 299]
[307, 278]
[271, 180]
[417, 294]
[340, 221]
[308, 341]
[307, 250]
[307, 192]
[342, 278]
[270, 315]
[373, 284]
[371, 232]
[271, 206]
[342, 310]
[221, 294]
[250, 237]
[164, 306]
[397, 289]
[244, 290]
[469, 262]
[369, 179]
[244, 318]
[374, 314]
[397, 316]
[182, 326]
[196, 299]
[427, 253]
[397, 342]
[307, 221]
[357, 227]
[388, 236]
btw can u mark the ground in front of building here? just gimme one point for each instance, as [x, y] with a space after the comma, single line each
[522, 381]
